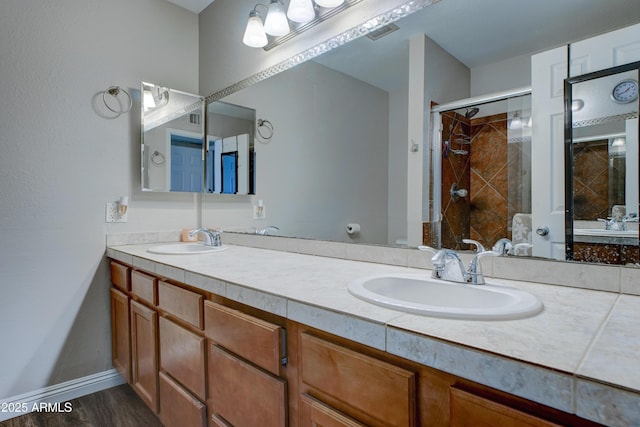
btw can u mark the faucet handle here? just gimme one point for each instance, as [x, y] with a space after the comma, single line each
[478, 245]
[503, 246]
[428, 249]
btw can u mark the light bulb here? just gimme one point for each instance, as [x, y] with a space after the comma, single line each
[254, 35]
[276, 23]
[329, 3]
[301, 11]
[516, 122]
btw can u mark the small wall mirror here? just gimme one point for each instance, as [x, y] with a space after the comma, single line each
[230, 153]
[172, 140]
[601, 153]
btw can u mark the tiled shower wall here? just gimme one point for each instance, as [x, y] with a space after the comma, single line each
[493, 174]
[455, 170]
[489, 212]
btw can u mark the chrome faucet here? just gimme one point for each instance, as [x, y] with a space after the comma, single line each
[474, 272]
[447, 264]
[211, 237]
[505, 246]
[265, 231]
[619, 224]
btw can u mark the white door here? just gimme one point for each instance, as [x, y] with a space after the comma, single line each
[548, 71]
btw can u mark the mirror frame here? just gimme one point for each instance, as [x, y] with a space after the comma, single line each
[568, 145]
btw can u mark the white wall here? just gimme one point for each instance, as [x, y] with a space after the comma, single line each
[62, 161]
[322, 169]
[501, 76]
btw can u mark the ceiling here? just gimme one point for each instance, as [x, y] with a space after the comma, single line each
[479, 35]
[195, 6]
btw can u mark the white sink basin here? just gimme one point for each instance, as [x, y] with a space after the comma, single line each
[420, 294]
[184, 249]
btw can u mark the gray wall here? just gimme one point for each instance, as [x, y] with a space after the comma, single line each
[62, 161]
[327, 163]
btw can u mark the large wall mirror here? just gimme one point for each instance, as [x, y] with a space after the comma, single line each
[601, 133]
[176, 157]
[340, 145]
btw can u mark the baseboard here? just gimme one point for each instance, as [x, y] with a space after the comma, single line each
[59, 393]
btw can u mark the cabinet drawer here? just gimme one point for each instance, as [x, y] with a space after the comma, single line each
[182, 356]
[177, 407]
[144, 286]
[182, 303]
[470, 410]
[251, 338]
[244, 395]
[120, 276]
[315, 413]
[343, 374]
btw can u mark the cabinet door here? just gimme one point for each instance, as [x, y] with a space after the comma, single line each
[182, 356]
[177, 407]
[144, 354]
[120, 338]
[470, 410]
[243, 394]
[314, 413]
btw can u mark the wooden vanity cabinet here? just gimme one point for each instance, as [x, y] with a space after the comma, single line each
[218, 363]
[144, 353]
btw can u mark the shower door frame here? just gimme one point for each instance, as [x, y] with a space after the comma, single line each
[435, 208]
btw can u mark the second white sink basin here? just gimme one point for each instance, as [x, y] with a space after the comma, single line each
[420, 294]
[184, 249]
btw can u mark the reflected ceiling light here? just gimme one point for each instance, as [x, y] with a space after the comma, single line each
[619, 142]
[300, 16]
[276, 23]
[254, 34]
[577, 105]
[329, 3]
[516, 121]
[154, 97]
[301, 11]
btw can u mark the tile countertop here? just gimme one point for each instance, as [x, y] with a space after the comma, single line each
[581, 353]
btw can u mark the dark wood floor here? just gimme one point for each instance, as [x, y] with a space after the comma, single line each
[116, 407]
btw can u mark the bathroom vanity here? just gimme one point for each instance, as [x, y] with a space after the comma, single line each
[250, 336]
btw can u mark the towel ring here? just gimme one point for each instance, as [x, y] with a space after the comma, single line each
[114, 91]
[157, 158]
[269, 126]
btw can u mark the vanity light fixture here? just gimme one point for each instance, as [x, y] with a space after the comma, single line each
[154, 97]
[300, 16]
[516, 121]
[301, 11]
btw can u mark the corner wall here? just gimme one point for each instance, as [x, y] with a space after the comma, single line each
[63, 159]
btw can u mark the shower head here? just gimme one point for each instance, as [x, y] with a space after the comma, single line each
[471, 112]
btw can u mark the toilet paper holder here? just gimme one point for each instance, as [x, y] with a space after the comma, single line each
[353, 228]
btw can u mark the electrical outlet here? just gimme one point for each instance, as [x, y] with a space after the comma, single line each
[259, 212]
[112, 214]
